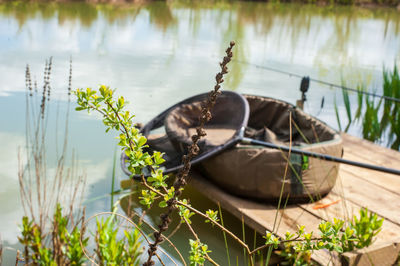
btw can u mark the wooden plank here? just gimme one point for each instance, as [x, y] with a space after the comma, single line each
[345, 210]
[370, 156]
[362, 145]
[386, 181]
[362, 150]
[383, 256]
[365, 194]
[261, 216]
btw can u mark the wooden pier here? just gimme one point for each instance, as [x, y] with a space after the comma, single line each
[354, 189]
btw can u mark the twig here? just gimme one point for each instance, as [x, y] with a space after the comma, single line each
[16, 258]
[203, 215]
[175, 230]
[141, 220]
[198, 240]
[129, 221]
[282, 242]
[217, 224]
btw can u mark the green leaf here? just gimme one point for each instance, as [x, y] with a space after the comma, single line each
[142, 140]
[80, 108]
[162, 204]
[339, 249]
[337, 114]
[346, 101]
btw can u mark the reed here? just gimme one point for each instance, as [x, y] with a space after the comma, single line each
[49, 229]
[224, 234]
[379, 118]
[41, 189]
[113, 176]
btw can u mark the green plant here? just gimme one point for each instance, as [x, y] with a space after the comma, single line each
[133, 143]
[50, 236]
[391, 110]
[198, 252]
[62, 244]
[55, 246]
[379, 118]
[333, 236]
[110, 250]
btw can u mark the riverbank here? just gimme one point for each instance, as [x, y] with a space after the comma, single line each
[361, 3]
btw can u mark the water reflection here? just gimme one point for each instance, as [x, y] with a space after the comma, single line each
[292, 28]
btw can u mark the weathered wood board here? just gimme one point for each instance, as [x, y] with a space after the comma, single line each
[354, 189]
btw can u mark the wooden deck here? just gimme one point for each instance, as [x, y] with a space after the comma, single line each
[355, 188]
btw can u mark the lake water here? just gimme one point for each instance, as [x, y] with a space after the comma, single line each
[160, 53]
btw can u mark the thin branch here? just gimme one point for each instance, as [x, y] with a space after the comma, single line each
[166, 238]
[217, 224]
[201, 214]
[198, 240]
[284, 241]
[121, 123]
[123, 217]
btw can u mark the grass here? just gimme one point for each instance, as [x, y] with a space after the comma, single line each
[224, 234]
[379, 117]
[113, 177]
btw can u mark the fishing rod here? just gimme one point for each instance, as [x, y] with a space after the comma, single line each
[322, 82]
[321, 156]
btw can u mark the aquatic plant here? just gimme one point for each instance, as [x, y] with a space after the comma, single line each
[54, 245]
[64, 243]
[379, 117]
[113, 251]
[41, 189]
[55, 240]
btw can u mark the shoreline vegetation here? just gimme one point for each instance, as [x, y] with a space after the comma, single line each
[161, 13]
[360, 3]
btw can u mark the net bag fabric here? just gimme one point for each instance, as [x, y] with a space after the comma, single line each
[158, 140]
[229, 114]
[262, 173]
